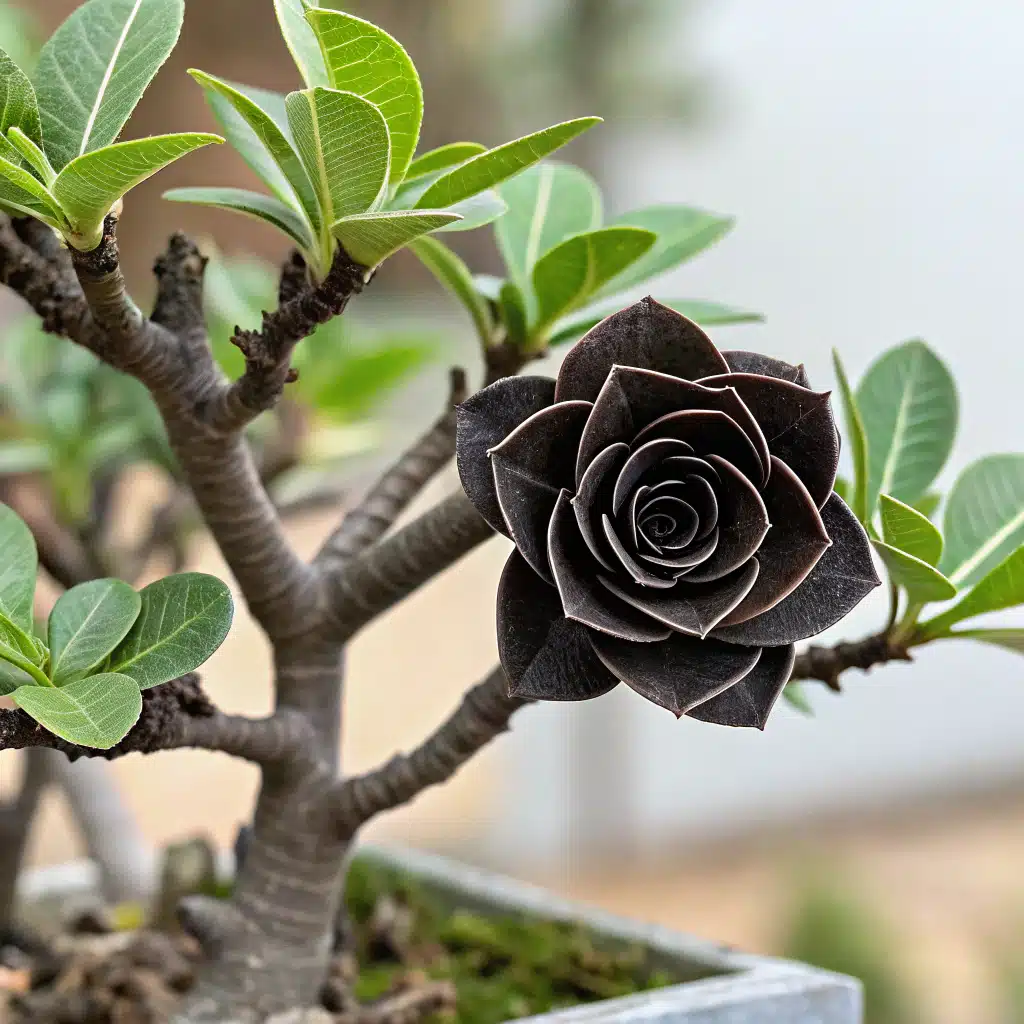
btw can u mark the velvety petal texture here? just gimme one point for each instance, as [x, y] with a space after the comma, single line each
[673, 516]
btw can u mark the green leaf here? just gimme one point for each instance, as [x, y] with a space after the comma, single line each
[17, 569]
[1009, 639]
[86, 624]
[252, 204]
[18, 105]
[908, 530]
[343, 141]
[513, 313]
[98, 711]
[477, 211]
[364, 59]
[11, 677]
[547, 204]
[24, 456]
[263, 132]
[797, 698]
[928, 503]
[1002, 587]
[22, 192]
[184, 619]
[31, 154]
[707, 314]
[301, 41]
[682, 232]
[95, 68]
[370, 238]
[89, 185]
[922, 582]
[984, 517]
[454, 275]
[565, 277]
[843, 489]
[497, 165]
[442, 158]
[857, 438]
[364, 377]
[908, 403]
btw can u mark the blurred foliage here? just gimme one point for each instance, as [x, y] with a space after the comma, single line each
[19, 34]
[831, 928]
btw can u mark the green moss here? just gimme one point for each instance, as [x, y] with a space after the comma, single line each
[502, 967]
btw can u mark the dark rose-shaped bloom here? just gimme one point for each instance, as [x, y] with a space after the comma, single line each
[673, 516]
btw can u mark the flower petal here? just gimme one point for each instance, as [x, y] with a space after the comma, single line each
[545, 655]
[749, 702]
[693, 554]
[583, 597]
[695, 609]
[797, 424]
[647, 335]
[631, 399]
[594, 495]
[843, 577]
[644, 458]
[640, 575]
[530, 468]
[709, 431]
[679, 673]
[682, 514]
[484, 420]
[792, 547]
[766, 366]
[742, 524]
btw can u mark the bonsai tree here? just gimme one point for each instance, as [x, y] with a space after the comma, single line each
[675, 511]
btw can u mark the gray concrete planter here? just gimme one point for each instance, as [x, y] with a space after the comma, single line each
[726, 987]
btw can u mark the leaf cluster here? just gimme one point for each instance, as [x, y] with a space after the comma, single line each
[81, 675]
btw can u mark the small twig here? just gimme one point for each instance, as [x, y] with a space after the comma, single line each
[484, 714]
[268, 351]
[827, 664]
[381, 577]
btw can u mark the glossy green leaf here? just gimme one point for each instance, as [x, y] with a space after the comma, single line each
[18, 105]
[98, 711]
[86, 624]
[856, 437]
[1008, 639]
[370, 238]
[547, 204]
[498, 165]
[343, 141]
[928, 503]
[442, 158]
[17, 569]
[922, 582]
[364, 59]
[1002, 587]
[301, 41]
[843, 489]
[476, 212]
[908, 403]
[88, 186]
[95, 68]
[184, 619]
[565, 277]
[32, 155]
[984, 517]
[263, 133]
[908, 530]
[707, 314]
[251, 204]
[11, 677]
[513, 313]
[453, 274]
[682, 232]
[23, 193]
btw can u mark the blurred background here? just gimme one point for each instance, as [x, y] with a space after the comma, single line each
[871, 156]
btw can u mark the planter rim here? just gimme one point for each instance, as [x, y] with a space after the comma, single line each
[742, 988]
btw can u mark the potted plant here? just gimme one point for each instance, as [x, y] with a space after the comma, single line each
[677, 522]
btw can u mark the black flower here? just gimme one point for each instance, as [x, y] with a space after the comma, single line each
[673, 516]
